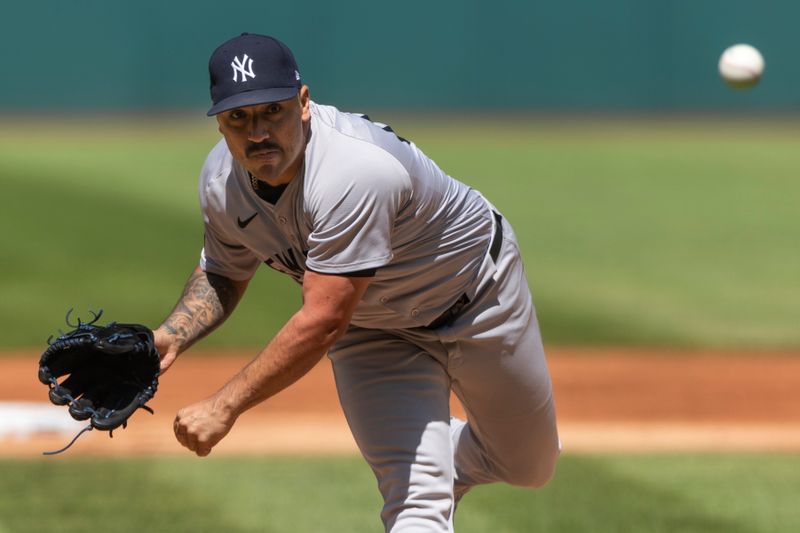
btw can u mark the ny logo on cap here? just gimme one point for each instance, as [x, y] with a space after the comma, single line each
[238, 68]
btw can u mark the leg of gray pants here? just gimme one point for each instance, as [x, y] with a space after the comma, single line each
[511, 431]
[395, 397]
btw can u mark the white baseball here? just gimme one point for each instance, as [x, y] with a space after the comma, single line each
[741, 66]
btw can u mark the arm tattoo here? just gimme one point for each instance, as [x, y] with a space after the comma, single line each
[207, 300]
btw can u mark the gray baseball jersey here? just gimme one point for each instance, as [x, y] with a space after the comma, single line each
[363, 199]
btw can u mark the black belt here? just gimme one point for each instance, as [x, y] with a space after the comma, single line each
[450, 315]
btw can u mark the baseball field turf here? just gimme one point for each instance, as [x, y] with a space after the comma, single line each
[651, 232]
[598, 494]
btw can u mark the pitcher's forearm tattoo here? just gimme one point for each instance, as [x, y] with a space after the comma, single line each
[207, 300]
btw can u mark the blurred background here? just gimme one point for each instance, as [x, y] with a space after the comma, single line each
[574, 55]
[654, 204]
[656, 209]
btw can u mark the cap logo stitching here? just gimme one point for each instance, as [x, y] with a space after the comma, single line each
[238, 68]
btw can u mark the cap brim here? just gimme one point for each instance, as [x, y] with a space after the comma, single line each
[255, 97]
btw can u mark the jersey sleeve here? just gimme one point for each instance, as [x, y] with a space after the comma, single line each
[220, 254]
[353, 213]
[233, 261]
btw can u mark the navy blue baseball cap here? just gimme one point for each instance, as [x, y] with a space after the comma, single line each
[251, 69]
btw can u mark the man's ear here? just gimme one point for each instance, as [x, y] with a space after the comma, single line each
[305, 100]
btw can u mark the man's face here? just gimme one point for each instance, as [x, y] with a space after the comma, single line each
[269, 140]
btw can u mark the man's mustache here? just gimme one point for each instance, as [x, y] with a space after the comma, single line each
[257, 147]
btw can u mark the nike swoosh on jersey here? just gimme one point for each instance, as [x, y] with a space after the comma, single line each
[243, 223]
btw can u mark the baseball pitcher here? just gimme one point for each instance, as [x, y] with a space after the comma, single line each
[412, 284]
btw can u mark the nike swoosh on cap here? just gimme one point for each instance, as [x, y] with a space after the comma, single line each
[243, 223]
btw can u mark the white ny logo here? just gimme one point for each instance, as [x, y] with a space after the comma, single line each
[238, 67]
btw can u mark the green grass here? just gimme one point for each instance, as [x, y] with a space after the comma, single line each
[601, 494]
[651, 232]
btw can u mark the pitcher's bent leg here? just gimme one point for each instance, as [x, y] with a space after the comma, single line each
[511, 435]
[395, 397]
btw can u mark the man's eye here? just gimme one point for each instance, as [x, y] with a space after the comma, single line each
[236, 115]
[274, 108]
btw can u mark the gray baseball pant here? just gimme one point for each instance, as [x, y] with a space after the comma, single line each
[394, 388]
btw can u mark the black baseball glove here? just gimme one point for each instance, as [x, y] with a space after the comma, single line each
[112, 371]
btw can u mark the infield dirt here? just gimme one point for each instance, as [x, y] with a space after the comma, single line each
[607, 400]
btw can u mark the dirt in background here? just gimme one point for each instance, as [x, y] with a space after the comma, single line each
[607, 400]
